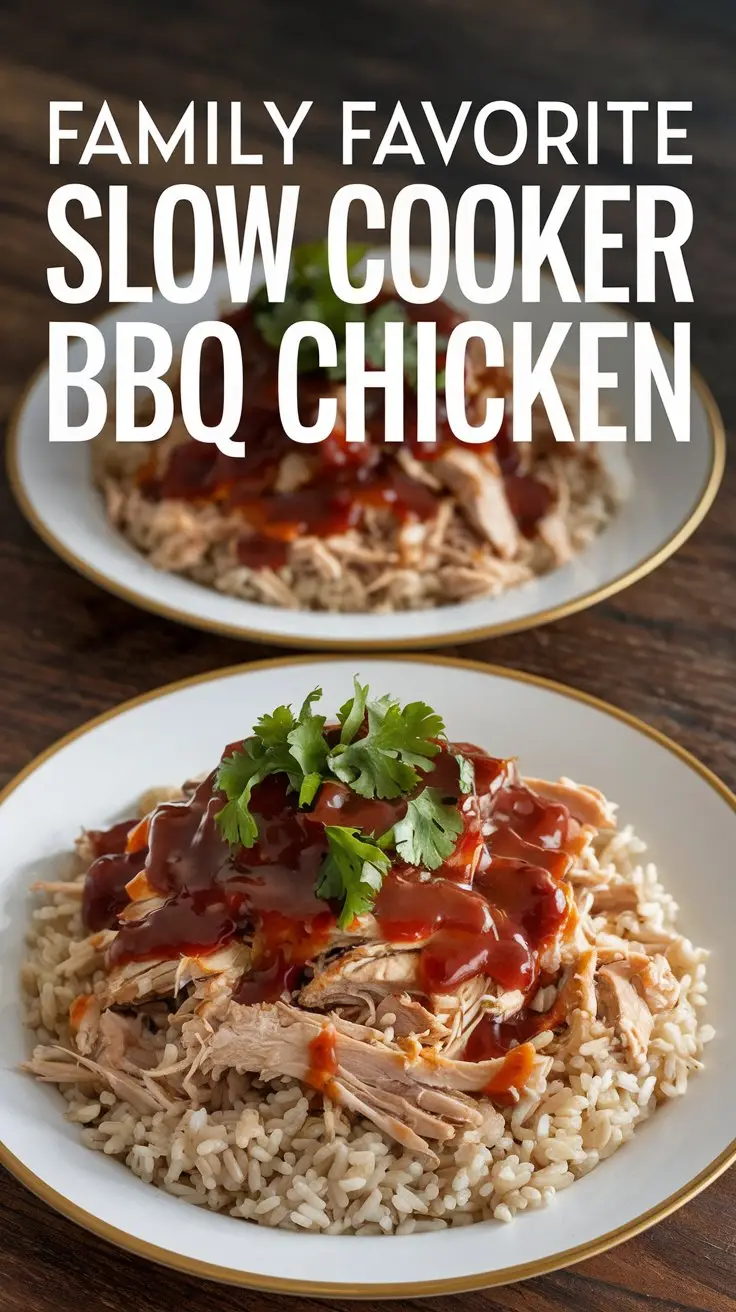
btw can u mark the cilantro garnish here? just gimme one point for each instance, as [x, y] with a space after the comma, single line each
[352, 872]
[282, 743]
[237, 777]
[398, 743]
[382, 751]
[310, 295]
[427, 834]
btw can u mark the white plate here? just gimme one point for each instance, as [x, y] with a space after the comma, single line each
[683, 812]
[673, 487]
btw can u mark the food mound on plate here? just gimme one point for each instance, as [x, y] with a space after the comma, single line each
[355, 526]
[360, 978]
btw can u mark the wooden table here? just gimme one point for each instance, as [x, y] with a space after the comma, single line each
[664, 649]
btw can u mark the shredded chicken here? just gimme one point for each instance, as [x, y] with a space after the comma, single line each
[660, 988]
[419, 470]
[554, 532]
[373, 984]
[114, 1051]
[625, 1010]
[391, 1084]
[56, 1065]
[652, 978]
[357, 1021]
[577, 988]
[404, 1016]
[374, 970]
[137, 981]
[293, 472]
[474, 545]
[611, 947]
[478, 486]
[615, 898]
[463, 1009]
[586, 805]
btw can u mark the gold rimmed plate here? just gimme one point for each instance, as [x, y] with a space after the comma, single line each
[669, 487]
[683, 812]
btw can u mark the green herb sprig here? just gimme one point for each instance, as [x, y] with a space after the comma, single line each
[310, 295]
[282, 743]
[352, 872]
[385, 761]
[383, 750]
[427, 834]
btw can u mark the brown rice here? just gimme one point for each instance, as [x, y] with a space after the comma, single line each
[381, 566]
[273, 1152]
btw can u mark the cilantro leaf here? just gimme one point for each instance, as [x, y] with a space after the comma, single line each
[308, 746]
[306, 738]
[383, 747]
[309, 295]
[310, 261]
[272, 318]
[310, 786]
[372, 772]
[274, 728]
[352, 872]
[308, 702]
[467, 773]
[351, 715]
[428, 832]
[411, 356]
[386, 760]
[391, 311]
[281, 744]
[237, 777]
[237, 824]
[418, 725]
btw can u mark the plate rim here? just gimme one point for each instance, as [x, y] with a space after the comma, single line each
[336, 1289]
[476, 633]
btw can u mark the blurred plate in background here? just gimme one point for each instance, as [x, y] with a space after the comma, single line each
[672, 485]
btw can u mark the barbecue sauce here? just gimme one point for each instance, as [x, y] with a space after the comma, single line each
[494, 906]
[494, 911]
[104, 889]
[212, 893]
[342, 480]
[107, 842]
[492, 1038]
[323, 1064]
[514, 1073]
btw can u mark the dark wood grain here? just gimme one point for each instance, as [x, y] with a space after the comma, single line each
[664, 649]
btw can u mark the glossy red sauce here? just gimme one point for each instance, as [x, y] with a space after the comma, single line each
[323, 1063]
[326, 507]
[284, 945]
[343, 479]
[492, 1038]
[78, 1009]
[185, 926]
[514, 1073]
[495, 911]
[214, 892]
[268, 982]
[529, 501]
[104, 890]
[491, 909]
[336, 804]
[105, 842]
